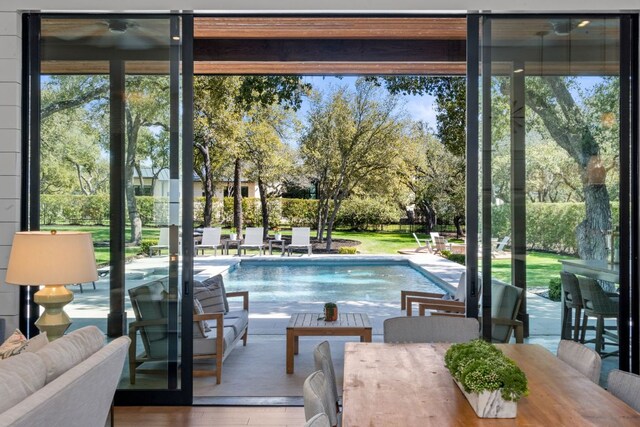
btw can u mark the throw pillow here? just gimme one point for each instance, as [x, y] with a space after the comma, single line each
[36, 343]
[13, 345]
[203, 327]
[211, 295]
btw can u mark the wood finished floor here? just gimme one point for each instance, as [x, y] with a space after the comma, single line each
[200, 416]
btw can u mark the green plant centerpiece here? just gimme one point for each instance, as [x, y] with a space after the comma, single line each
[491, 382]
[233, 233]
[330, 312]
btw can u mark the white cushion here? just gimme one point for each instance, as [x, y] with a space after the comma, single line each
[36, 343]
[20, 376]
[64, 353]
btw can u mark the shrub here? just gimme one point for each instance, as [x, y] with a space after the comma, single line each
[351, 250]
[145, 244]
[299, 212]
[555, 289]
[457, 258]
[361, 213]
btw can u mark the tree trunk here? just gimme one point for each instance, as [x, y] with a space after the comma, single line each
[237, 197]
[591, 233]
[207, 184]
[265, 211]
[133, 126]
[331, 220]
[457, 220]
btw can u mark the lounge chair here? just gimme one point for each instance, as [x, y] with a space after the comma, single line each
[252, 240]
[505, 303]
[163, 243]
[499, 249]
[420, 248]
[300, 238]
[408, 298]
[441, 244]
[210, 240]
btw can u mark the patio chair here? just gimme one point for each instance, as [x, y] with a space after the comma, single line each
[150, 303]
[163, 242]
[499, 249]
[319, 420]
[420, 248]
[210, 240]
[601, 305]
[441, 244]
[434, 235]
[315, 393]
[300, 239]
[324, 363]
[430, 329]
[408, 298]
[572, 301]
[626, 387]
[581, 358]
[252, 240]
[505, 304]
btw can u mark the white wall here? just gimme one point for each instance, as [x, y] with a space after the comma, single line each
[10, 44]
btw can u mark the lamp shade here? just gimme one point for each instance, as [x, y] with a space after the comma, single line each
[51, 258]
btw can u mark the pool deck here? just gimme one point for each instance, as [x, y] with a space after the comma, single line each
[248, 371]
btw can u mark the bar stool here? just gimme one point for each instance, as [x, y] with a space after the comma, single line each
[572, 301]
[601, 305]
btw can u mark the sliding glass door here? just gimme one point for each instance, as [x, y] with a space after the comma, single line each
[555, 131]
[107, 94]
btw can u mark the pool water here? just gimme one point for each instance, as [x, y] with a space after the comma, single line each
[327, 282]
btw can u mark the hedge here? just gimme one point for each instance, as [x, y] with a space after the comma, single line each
[550, 226]
[367, 213]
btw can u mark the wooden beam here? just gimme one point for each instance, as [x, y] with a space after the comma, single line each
[330, 50]
[331, 68]
[434, 28]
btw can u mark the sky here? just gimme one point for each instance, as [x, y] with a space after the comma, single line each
[419, 107]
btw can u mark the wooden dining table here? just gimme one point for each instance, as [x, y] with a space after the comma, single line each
[408, 385]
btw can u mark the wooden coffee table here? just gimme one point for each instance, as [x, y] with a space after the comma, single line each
[313, 324]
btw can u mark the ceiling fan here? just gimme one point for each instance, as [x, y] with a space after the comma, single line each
[119, 33]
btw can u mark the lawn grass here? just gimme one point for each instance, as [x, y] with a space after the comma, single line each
[379, 242]
[541, 267]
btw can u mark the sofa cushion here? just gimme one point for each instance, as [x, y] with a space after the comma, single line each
[36, 343]
[20, 376]
[13, 345]
[200, 327]
[238, 320]
[64, 353]
[208, 345]
[212, 295]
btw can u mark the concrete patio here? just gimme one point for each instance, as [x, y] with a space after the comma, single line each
[256, 373]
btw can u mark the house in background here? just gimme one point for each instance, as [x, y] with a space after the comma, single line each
[156, 183]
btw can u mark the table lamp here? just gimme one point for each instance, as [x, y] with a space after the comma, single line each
[52, 259]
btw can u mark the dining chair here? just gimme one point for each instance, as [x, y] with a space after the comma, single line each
[319, 420]
[626, 387]
[430, 329]
[581, 358]
[324, 363]
[597, 303]
[572, 301]
[315, 393]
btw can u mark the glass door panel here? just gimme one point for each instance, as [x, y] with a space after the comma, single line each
[554, 151]
[111, 164]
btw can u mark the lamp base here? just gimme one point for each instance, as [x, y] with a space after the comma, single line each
[54, 321]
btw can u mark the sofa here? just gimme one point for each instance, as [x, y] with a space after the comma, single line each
[217, 329]
[69, 382]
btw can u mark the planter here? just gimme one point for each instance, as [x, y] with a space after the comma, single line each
[330, 314]
[278, 236]
[233, 236]
[490, 404]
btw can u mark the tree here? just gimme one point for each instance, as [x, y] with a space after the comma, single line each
[568, 123]
[350, 138]
[222, 107]
[270, 158]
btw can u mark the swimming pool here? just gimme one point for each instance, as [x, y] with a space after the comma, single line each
[313, 281]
